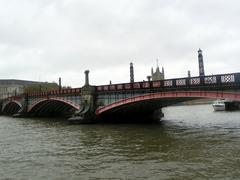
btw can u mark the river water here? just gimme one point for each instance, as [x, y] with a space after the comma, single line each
[191, 142]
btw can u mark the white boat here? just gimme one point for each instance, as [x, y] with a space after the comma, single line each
[219, 105]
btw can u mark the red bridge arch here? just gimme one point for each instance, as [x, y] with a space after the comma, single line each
[171, 94]
[11, 107]
[67, 102]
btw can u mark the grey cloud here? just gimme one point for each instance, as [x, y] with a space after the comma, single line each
[51, 38]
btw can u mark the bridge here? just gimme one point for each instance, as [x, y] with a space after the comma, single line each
[132, 101]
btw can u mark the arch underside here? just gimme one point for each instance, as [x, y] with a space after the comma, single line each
[142, 110]
[11, 108]
[149, 102]
[52, 108]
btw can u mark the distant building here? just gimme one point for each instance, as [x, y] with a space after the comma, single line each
[11, 87]
[157, 75]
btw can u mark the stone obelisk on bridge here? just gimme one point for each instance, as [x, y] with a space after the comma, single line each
[86, 114]
[200, 63]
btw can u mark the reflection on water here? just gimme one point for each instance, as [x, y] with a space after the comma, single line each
[191, 142]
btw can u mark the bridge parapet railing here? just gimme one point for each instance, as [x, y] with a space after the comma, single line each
[54, 93]
[187, 82]
[14, 98]
[71, 91]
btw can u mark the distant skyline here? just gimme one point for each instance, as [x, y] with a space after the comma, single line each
[42, 40]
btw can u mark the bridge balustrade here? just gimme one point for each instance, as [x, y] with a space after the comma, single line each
[220, 80]
[55, 92]
[189, 82]
[12, 98]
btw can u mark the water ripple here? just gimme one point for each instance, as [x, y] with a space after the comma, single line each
[192, 142]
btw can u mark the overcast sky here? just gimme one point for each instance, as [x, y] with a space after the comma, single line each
[46, 39]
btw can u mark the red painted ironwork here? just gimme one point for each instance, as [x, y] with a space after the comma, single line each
[119, 86]
[181, 82]
[112, 87]
[136, 85]
[99, 88]
[227, 78]
[55, 92]
[13, 101]
[156, 84]
[168, 83]
[127, 86]
[105, 88]
[195, 81]
[171, 94]
[76, 106]
[210, 80]
[207, 81]
[146, 84]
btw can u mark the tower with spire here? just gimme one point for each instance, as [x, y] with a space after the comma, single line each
[157, 75]
[200, 63]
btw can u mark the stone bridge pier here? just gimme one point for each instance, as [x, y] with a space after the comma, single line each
[0, 107]
[23, 112]
[86, 114]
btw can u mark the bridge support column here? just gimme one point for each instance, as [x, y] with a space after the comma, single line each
[157, 115]
[231, 106]
[86, 114]
[23, 112]
[1, 108]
